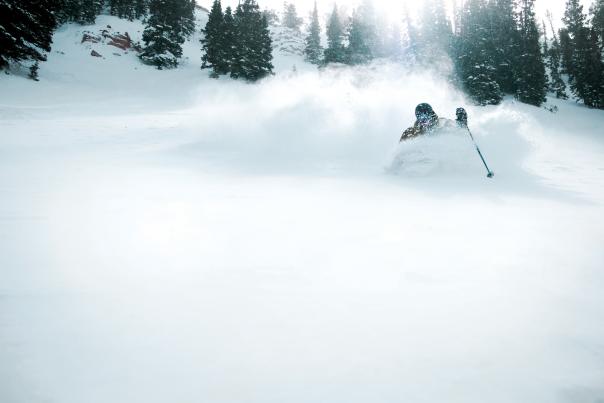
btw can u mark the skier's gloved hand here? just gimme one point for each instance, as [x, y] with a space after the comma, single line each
[462, 117]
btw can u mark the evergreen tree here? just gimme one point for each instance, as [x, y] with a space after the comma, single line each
[290, 17]
[474, 64]
[163, 36]
[505, 41]
[410, 39]
[26, 30]
[574, 20]
[213, 46]
[358, 50]
[557, 85]
[368, 24]
[140, 8]
[566, 53]
[69, 11]
[335, 52]
[597, 20]
[229, 35]
[588, 83]
[90, 10]
[252, 56]
[531, 78]
[313, 50]
[435, 35]
[122, 9]
[186, 10]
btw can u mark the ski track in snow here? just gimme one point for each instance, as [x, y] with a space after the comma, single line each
[165, 237]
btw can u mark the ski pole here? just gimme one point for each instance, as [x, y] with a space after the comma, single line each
[462, 121]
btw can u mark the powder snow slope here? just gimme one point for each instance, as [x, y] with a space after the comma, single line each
[166, 237]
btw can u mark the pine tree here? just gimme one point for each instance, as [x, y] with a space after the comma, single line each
[597, 20]
[588, 84]
[26, 30]
[368, 22]
[566, 53]
[229, 36]
[410, 40]
[473, 61]
[252, 56]
[358, 50]
[69, 11]
[313, 50]
[186, 10]
[122, 9]
[335, 52]
[574, 20]
[140, 8]
[213, 46]
[163, 36]
[435, 35]
[90, 9]
[557, 85]
[531, 78]
[290, 17]
[505, 40]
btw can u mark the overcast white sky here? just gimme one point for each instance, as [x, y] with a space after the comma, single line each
[394, 6]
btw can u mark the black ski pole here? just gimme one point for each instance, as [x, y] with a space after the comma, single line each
[462, 121]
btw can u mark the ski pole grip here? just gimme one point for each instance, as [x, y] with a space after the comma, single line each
[462, 117]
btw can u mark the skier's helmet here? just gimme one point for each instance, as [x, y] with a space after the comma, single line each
[425, 114]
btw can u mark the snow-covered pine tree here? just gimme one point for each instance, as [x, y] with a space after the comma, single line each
[26, 30]
[473, 60]
[597, 20]
[556, 85]
[90, 10]
[290, 17]
[264, 60]
[335, 52]
[410, 39]
[566, 53]
[229, 36]
[163, 36]
[140, 8]
[588, 83]
[435, 35]
[122, 9]
[214, 56]
[574, 21]
[313, 50]
[68, 11]
[358, 50]
[186, 9]
[531, 78]
[506, 43]
[366, 14]
[253, 51]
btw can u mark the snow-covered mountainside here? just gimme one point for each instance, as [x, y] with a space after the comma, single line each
[168, 237]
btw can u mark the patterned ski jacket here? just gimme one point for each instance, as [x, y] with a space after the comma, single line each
[418, 129]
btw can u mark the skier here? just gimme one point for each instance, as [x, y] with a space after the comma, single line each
[427, 122]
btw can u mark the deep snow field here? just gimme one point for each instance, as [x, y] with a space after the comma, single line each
[166, 237]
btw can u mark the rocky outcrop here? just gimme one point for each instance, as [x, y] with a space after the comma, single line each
[116, 39]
